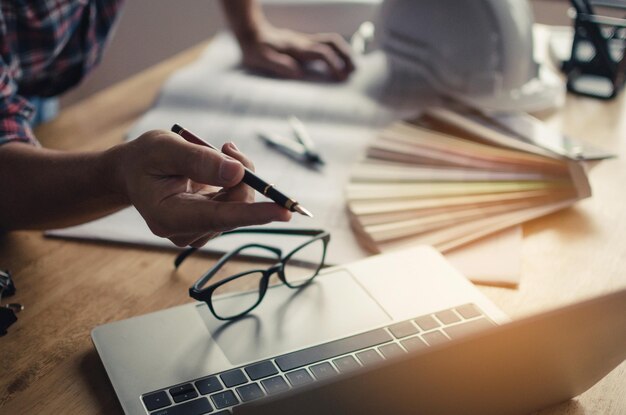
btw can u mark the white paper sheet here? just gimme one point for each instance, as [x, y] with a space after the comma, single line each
[495, 260]
[220, 102]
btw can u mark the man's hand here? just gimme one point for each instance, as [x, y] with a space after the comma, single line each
[170, 182]
[284, 53]
[289, 54]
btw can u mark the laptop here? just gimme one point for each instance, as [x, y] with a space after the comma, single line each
[396, 333]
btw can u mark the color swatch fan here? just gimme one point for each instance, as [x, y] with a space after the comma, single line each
[450, 178]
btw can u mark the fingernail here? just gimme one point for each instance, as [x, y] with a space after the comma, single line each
[229, 170]
[233, 146]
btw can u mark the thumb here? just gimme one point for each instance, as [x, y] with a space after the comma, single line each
[177, 157]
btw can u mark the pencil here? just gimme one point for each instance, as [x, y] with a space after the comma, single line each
[249, 178]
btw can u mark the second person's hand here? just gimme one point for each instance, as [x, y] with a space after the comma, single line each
[288, 54]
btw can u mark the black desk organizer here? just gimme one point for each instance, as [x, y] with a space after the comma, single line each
[597, 67]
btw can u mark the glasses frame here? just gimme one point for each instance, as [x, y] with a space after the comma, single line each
[199, 292]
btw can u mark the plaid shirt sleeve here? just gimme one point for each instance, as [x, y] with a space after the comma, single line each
[46, 47]
[15, 111]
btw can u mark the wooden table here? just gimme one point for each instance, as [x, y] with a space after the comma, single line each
[48, 364]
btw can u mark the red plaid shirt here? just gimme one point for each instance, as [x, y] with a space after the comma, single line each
[46, 47]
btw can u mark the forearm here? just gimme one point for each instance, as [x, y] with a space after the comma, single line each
[41, 188]
[245, 17]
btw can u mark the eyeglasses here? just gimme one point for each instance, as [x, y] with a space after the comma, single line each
[295, 270]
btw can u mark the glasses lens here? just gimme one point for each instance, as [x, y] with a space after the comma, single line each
[304, 263]
[249, 284]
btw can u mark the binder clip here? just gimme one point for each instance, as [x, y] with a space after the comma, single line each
[8, 312]
[597, 67]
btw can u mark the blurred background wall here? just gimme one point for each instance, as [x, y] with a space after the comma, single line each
[149, 31]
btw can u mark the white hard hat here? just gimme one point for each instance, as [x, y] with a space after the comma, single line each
[478, 51]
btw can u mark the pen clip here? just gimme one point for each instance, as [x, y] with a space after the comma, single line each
[301, 134]
[284, 143]
[303, 137]
[290, 147]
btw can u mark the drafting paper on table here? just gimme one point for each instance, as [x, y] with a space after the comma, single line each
[220, 102]
[503, 264]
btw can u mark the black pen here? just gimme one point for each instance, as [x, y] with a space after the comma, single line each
[249, 177]
[303, 137]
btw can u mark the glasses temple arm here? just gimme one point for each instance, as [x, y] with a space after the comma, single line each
[183, 255]
[277, 231]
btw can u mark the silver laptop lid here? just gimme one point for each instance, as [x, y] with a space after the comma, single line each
[515, 368]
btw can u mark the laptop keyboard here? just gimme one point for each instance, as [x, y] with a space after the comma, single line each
[219, 393]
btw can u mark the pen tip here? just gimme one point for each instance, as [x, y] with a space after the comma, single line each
[301, 210]
[177, 128]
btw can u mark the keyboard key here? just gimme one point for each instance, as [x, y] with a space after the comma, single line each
[391, 350]
[403, 329]
[469, 311]
[447, 317]
[261, 370]
[426, 323]
[369, 357]
[250, 392]
[177, 390]
[208, 385]
[181, 397]
[323, 370]
[275, 384]
[299, 377]
[468, 327]
[413, 343]
[198, 407]
[156, 400]
[224, 412]
[346, 364]
[332, 349]
[183, 392]
[434, 337]
[233, 378]
[224, 399]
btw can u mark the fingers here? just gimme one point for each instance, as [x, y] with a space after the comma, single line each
[240, 192]
[327, 55]
[223, 216]
[168, 154]
[187, 217]
[278, 64]
[285, 53]
[341, 48]
[230, 149]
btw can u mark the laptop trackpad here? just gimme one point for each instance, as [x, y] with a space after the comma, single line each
[334, 306]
